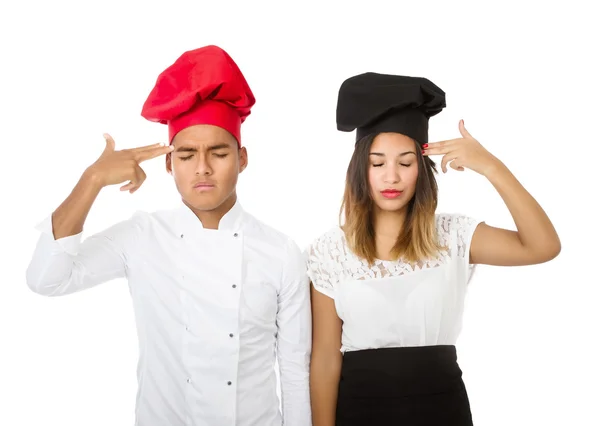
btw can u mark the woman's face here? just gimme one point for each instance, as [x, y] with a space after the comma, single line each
[393, 171]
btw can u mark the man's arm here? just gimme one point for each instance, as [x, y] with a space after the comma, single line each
[61, 264]
[294, 340]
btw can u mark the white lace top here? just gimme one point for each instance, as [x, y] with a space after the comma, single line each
[393, 304]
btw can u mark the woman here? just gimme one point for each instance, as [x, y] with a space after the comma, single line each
[388, 286]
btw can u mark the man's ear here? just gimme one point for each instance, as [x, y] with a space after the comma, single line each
[168, 164]
[243, 153]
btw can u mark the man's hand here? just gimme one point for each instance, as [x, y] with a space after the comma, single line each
[115, 167]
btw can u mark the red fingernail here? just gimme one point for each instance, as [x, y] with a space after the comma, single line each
[426, 145]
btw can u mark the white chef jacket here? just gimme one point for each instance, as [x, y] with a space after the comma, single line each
[392, 303]
[214, 309]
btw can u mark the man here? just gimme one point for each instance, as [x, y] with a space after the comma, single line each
[215, 291]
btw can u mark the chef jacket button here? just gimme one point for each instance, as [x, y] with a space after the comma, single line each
[187, 328]
[235, 235]
[234, 286]
[229, 383]
[230, 334]
[189, 380]
[181, 235]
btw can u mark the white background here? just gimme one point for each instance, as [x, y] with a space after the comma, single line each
[523, 77]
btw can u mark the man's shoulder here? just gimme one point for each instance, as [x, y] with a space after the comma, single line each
[258, 228]
[160, 214]
[161, 217]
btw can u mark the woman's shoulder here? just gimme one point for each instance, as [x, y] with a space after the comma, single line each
[323, 257]
[323, 244]
[457, 229]
[447, 221]
[333, 235]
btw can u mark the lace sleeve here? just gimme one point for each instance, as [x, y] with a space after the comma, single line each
[318, 267]
[464, 228]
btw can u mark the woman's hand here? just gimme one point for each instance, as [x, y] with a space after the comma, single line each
[463, 152]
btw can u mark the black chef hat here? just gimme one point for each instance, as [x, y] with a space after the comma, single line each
[374, 103]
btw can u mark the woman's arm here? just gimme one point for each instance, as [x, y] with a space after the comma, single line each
[326, 359]
[535, 240]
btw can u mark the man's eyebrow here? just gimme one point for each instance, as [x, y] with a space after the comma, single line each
[219, 146]
[210, 148]
[186, 149]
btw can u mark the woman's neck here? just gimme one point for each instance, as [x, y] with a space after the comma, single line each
[387, 226]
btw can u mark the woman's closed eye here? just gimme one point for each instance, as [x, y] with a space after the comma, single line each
[402, 164]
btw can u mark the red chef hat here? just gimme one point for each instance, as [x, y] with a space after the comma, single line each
[203, 86]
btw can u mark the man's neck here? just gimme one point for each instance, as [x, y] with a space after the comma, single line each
[210, 219]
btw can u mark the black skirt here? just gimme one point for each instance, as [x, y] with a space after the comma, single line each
[412, 386]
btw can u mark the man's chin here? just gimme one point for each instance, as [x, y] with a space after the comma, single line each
[204, 202]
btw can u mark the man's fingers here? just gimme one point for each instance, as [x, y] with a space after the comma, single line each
[131, 187]
[152, 153]
[110, 143]
[139, 176]
[127, 187]
[145, 148]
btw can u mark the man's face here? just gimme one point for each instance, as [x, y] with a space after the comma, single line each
[205, 165]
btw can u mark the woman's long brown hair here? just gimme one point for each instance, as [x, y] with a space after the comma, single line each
[418, 239]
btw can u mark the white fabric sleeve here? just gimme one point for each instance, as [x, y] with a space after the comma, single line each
[67, 265]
